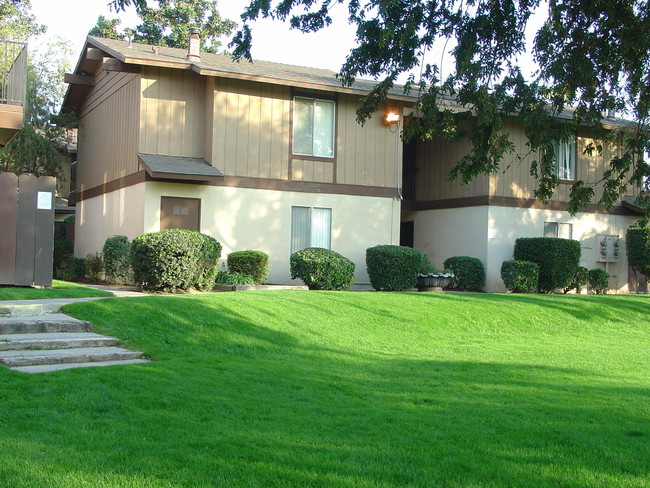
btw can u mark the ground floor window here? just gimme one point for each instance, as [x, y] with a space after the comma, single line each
[558, 229]
[311, 227]
[180, 213]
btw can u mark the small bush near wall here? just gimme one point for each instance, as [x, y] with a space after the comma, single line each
[637, 242]
[557, 258]
[469, 272]
[598, 280]
[520, 276]
[580, 280]
[175, 259]
[93, 267]
[74, 269]
[322, 269]
[117, 259]
[393, 268]
[233, 279]
[253, 263]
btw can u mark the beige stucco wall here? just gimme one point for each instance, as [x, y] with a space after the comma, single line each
[242, 218]
[489, 234]
[115, 213]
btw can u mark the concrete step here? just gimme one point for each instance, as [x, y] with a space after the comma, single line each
[75, 355]
[46, 368]
[55, 322]
[54, 340]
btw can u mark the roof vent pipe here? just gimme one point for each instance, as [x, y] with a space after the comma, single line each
[194, 48]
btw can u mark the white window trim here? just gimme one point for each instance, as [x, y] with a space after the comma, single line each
[293, 129]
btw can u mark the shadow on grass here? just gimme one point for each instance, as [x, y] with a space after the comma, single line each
[241, 397]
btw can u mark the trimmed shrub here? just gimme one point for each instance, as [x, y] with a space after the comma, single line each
[93, 267]
[117, 259]
[249, 262]
[557, 258]
[233, 279]
[175, 259]
[580, 280]
[520, 276]
[469, 272]
[74, 269]
[393, 268]
[598, 280]
[637, 243]
[322, 269]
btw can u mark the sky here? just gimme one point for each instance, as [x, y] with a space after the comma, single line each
[272, 41]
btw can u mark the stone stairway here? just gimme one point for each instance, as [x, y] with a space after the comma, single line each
[36, 339]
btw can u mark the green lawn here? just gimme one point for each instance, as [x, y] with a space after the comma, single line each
[325, 389]
[59, 289]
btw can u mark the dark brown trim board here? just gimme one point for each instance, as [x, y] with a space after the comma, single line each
[243, 182]
[496, 201]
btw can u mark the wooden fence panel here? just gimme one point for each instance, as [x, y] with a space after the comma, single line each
[8, 209]
[26, 231]
[44, 248]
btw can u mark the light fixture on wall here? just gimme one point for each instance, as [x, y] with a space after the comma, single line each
[391, 118]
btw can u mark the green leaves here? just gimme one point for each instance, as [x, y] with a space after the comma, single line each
[169, 23]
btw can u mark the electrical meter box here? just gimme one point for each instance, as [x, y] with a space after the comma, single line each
[607, 248]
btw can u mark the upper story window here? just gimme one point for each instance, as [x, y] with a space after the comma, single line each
[313, 127]
[565, 159]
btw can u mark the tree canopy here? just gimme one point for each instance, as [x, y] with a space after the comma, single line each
[36, 147]
[592, 56]
[169, 23]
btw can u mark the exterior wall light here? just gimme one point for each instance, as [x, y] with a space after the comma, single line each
[391, 118]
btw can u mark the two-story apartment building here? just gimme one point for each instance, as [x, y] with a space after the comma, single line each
[270, 156]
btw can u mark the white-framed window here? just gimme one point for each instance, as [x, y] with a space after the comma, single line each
[564, 153]
[558, 229]
[313, 127]
[311, 227]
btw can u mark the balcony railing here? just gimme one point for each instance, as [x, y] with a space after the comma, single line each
[13, 72]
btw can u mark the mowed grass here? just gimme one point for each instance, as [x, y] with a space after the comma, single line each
[59, 289]
[327, 389]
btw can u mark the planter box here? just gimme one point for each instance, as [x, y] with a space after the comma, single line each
[433, 282]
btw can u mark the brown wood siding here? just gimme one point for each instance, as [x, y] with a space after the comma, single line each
[173, 113]
[108, 130]
[252, 136]
[368, 154]
[251, 129]
[434, 159]
[516, 181]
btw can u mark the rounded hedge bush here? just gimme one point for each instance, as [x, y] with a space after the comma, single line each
[250, 262]
[558, 259]
[393, 268]
[322, 269]
[175, 259]
[580, 280]
[117, 259]
[469, 272]
[598, 280]
[520, 276]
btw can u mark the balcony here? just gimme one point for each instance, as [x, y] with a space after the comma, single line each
[13, 76]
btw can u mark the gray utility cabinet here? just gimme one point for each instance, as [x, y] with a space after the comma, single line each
[26, 229]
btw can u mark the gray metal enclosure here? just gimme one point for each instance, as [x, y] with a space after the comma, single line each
[26, 229]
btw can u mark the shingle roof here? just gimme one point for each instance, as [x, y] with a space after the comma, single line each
[224, 65]
[176, 167]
